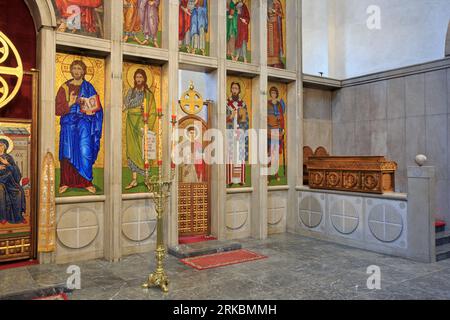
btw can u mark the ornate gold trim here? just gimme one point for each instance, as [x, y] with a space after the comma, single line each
[47, 207]
[191, 101]
[6, 46]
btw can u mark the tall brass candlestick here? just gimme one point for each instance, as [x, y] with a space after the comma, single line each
[161, 193]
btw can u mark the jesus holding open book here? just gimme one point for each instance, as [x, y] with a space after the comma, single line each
[78, 105]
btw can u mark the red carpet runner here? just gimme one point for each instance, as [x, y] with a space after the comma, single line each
[195, 239]
[18, 265]
[61, 296]
[222, 259]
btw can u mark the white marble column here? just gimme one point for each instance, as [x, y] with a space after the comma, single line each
[219, 76]
[421, 211]
[46, 65]
[258, 208]
[113, 132]
[295, 125]
[170, 80]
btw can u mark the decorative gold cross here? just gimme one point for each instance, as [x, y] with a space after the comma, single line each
[192, 101]
[6, 95]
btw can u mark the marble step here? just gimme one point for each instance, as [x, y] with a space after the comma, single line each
[36, 293]
[442, 238]
[183, 251]
[443, 252]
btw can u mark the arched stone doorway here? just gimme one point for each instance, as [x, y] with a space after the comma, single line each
[27, 32]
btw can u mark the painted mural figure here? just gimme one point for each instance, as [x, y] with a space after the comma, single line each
[149, 16]
[140, 106]
[78, 104]
[131, 20]
[12, 194]
[232, 28]
[276, 52]
[276, 110]
[238, 124]
[243, 30]
[199, 26]
[185, 13]
[238, 22]
[78, 15]
[193, 169]
[193, 25]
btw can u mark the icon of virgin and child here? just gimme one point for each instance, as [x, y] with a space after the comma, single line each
[12, 193]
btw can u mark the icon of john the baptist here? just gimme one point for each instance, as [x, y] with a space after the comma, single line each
[140, 107]
[78, 104]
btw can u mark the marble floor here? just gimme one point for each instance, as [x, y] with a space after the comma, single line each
[297, 268]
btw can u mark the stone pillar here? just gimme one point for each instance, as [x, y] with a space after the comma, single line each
[420, 217]
[295, 131]
[113, 132]
[219, 76]
[46, 40]
[171, 82]
[258, 207]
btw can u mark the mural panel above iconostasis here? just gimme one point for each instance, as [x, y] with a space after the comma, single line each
[238, 121]
[80, 17]
[143, 22]
[142, 97]
[239, 21]
[80, 92]
[276, 34]
[194, 27]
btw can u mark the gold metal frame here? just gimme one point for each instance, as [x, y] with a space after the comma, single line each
[34, 74]
[6, 95]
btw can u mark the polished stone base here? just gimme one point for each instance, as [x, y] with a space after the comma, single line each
[38, 293]
[203, 248]
[297, 268]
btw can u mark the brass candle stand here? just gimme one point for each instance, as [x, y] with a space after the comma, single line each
[161, 193]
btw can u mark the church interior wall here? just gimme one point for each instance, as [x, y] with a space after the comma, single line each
[316, 36]
[399, 118]
[317, 131]
[339, 43]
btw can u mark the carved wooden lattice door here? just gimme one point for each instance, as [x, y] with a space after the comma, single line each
[194, 174]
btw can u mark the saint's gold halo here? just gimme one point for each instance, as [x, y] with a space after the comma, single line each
[243, 88]
[282, 90]
[196, 129]
[65, 67]
[10, 142]
[132, 69]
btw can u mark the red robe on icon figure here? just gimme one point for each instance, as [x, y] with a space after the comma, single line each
[87, 11]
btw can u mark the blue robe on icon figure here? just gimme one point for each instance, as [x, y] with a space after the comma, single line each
[81, 113]
[12, 195]
[199, 26]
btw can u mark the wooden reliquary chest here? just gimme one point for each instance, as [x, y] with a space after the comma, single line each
[357, 174]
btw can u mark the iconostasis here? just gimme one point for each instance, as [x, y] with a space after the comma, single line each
[100, 95]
